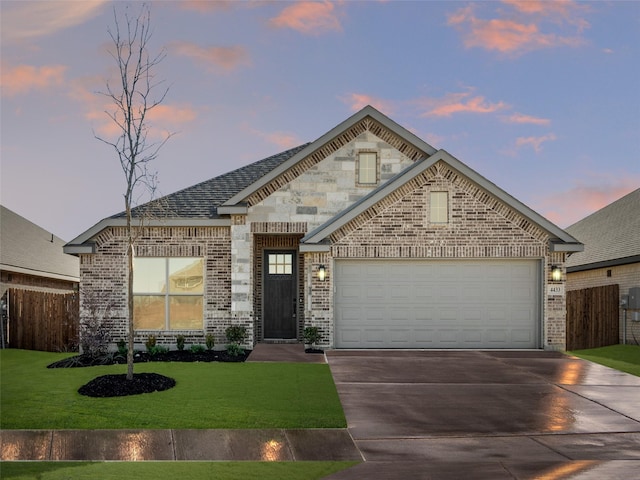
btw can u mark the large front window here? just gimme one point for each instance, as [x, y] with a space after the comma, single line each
[168, 293]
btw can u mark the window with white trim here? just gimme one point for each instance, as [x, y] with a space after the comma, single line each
[367, 169]
[168, 293]
[439, 207]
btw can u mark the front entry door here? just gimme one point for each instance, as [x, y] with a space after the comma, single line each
[280, 294]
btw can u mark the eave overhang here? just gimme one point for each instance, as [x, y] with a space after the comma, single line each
[240, 209]
[604, 264]
[38, 273]
[83, 242]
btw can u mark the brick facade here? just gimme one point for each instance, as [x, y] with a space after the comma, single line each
[104, 276]
[479, 227]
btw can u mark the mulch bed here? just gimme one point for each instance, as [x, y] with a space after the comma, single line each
[143, 357]
[118, 385]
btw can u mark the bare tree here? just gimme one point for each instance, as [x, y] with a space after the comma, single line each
[135, 94]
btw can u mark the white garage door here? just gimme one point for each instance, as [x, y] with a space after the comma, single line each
[437, 304]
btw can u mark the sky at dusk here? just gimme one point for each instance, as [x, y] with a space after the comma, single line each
[540, 97]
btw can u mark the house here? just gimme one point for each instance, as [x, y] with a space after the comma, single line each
[611, 255]
[38, 287]
[32, 258]
[369, 233]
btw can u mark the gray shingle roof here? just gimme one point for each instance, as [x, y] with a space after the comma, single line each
[610, 236]
[28, 248]
[202, 200]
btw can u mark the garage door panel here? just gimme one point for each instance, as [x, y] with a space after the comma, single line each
[437, 304]
[497, 336]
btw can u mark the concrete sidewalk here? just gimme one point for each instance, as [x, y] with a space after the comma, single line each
[202, 445]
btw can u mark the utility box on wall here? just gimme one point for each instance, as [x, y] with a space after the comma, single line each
[634, 298]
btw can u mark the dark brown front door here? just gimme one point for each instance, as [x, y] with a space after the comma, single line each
[280, 293]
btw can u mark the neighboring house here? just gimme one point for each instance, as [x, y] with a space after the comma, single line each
[32, 258]
[611, 238]
[369, 233]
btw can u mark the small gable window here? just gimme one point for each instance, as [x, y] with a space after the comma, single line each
[439, 207]
[367, 168]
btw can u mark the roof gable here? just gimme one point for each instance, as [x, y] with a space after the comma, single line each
[502, 202]
[366, 119]
[610, 235]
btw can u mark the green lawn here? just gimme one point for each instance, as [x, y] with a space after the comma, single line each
[206, 395]
[178, 470]
[625, 358]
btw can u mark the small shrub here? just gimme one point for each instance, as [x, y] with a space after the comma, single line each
[122, 346]
[236, 334]
[156, 349]
[150, 343]
[312, 335]
[180, 342]
[95, 317]
[210, 342]
[235, 350]
[197, 348]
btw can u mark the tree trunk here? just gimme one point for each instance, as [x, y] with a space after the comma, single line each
[130, 295]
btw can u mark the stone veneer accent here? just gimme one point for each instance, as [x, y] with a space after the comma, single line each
[365, 129]
[104, 275]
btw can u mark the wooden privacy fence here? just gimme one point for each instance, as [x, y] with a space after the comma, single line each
[593, 317]
[43, 321]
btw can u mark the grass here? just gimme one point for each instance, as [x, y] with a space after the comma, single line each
[207, 395]
[181, 470]
[625, 358]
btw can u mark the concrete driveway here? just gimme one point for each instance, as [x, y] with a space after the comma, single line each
[491, 414]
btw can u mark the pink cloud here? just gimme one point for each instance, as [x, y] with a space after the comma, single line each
[26, 20]
[226, 58]
[282, 139]
[522, 119]
[22, 79]
[161, 119]
[311, 18]
[205, 6]
[463, 102]
[535, 142]
[357, 101]
[558, 10]
[585, 197]
[512, 36]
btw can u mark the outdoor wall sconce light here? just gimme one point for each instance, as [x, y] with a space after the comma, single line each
[556, 273]
[322, 272]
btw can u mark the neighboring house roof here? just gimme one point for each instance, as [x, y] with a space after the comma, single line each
[30, 249]
[611, 235]
[560, 240]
